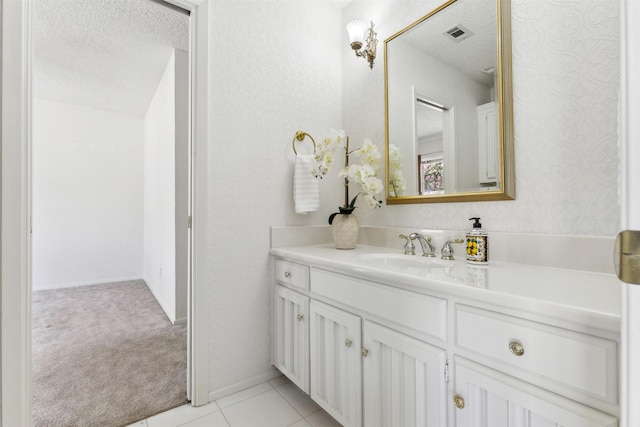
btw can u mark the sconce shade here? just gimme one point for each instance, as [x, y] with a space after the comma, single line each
[356, 31]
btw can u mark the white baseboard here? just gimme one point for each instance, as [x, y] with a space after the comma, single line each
[84, 283]
[166, 312]
[181, 321]
[242, 385]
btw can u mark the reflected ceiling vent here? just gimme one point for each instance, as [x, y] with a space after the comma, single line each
[458, 33]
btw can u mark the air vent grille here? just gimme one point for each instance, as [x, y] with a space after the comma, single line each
[458, 33]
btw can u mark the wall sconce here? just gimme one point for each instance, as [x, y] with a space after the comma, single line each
[356, 30]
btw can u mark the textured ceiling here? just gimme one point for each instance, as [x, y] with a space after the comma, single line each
[469, 56]
[106, 54]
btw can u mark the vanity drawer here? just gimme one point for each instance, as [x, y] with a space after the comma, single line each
[572, 360]
[292, 274]
[409, 311]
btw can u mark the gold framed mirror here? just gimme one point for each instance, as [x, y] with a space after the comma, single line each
[449, 106]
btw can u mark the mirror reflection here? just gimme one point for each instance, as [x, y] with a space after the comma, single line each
[445, 92]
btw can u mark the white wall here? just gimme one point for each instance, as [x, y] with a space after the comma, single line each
[159, 193]
[566, 82]
[304, 76]
[275, 69]
[87, 192]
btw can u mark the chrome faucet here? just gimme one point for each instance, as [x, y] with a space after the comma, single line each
[447, 250]
[409, 247]
[427, 248]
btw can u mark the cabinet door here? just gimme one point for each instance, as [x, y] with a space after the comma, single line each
[336, 364]
[487, 398]
[404, 380]
[291, 336]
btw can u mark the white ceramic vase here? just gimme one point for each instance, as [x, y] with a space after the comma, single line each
[345, 229]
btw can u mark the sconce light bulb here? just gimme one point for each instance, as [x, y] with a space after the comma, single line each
[356, 31]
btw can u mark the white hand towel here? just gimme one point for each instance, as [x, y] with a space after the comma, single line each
[306, 191]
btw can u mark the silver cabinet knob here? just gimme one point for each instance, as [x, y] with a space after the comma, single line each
[287, 274]
[300, 317]
[348, 343]
[364, 352]
[458, 401]
[516, 348]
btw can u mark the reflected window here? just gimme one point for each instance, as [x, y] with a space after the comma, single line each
[431, 174]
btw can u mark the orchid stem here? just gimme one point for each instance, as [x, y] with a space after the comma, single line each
[346, 178]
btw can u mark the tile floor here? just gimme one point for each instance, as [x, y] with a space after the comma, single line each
[277, 403]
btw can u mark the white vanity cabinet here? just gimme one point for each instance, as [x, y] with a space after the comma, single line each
[383, 352]
[404, 380]
[362, 372]
[401, 378]
[336, 365]
[488, 398]
[290, 326]
[531, 371]
[291, 335]
[578, 365]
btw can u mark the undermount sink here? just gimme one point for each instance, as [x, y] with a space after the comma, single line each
[404, 261]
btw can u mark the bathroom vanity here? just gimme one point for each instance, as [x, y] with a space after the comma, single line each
[378, 338]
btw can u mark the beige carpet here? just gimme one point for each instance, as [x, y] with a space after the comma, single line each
[104, 355]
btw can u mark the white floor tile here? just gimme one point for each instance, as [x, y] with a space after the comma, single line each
[268, 409]
[300, 423]
[212, 420]
[244, 394]
[181, 414]
[300, 401]
[322, 419]
[277, 382]
[142, 423]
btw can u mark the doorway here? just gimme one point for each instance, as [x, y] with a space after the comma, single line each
[109, 209]
[16, 205]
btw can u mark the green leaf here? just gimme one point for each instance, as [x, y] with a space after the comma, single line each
[353, 202]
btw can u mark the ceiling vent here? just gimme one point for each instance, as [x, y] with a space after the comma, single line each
[458, 33]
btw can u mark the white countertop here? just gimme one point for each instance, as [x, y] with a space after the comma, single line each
[572, 295]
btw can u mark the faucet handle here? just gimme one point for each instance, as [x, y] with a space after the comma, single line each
[447, 250]
[409, 247]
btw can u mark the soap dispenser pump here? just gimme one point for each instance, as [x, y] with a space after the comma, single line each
[477, 244]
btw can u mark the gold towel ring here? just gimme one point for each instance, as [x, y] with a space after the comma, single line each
[300, 135]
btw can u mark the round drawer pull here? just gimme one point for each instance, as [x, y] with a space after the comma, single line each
[458, 401]
[516, 348]
[348, 343]
[287, 274]
[300, 317]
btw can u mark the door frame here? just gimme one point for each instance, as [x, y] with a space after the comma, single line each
[630, 205]
[15, 267]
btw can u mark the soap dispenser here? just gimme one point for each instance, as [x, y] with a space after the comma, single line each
[477, 244]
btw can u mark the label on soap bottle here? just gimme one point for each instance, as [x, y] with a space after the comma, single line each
[477, 249]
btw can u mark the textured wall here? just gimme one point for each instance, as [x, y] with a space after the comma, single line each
[274, 68]
[87, 195]
[566, 82]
